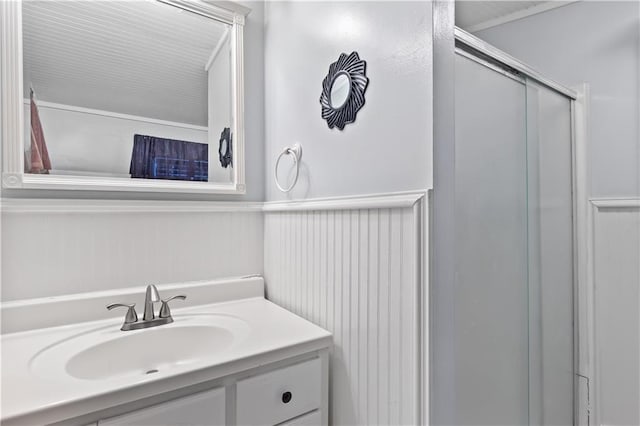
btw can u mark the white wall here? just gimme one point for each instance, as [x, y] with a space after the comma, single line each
[254, 105]
[616, 282]
[388, 148]
[55, 248]
[597, 42]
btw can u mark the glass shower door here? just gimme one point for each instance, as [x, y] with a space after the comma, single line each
[491, 293]
[550, 246]
[513, 294]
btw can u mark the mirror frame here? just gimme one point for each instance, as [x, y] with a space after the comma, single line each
[356, 69]
[12, 115]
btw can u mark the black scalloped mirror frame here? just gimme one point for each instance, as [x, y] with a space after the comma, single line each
[225, 148]
[356, 69]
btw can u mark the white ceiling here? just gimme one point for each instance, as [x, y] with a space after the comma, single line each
[473, 15]
[133, 57]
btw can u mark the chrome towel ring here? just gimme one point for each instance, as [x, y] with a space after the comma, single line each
[296, 152]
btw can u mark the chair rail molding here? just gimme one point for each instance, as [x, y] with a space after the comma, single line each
[374, 201]
[47, 206]
[616, 203]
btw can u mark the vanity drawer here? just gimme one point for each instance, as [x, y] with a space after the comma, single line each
[311, 419]
[204, 408]
[272, 398]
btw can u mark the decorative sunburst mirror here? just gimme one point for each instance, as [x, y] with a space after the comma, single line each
[343, 90]
[225, 148]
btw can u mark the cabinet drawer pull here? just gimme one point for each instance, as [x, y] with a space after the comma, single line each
[286, 397]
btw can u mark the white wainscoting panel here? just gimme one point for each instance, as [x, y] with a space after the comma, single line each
[56, 247]
[616, 287]
[356, 272]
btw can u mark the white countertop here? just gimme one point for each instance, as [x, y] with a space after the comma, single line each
[273, 333]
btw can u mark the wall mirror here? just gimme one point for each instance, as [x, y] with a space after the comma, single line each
[343, 90]
[340, 90]
[131, 96]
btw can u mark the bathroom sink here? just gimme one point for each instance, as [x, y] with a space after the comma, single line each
[148, 353]
[107, 353]
[71, 369]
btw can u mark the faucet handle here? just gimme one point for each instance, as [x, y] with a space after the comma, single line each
[131, 315]
[165, 312]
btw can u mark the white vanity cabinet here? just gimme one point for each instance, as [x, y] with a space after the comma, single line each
[288, 392]
[235, 359]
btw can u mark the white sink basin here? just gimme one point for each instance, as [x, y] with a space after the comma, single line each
[108, 353]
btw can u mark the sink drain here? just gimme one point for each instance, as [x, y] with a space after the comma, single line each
[151, 371]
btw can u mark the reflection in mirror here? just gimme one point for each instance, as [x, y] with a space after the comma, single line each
[340, 90]
[125, 89]
[225, 149]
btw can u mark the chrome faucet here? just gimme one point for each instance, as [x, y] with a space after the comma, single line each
[149, 318]
[151, 296]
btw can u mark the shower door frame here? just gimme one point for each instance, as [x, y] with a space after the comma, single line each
[484, 53]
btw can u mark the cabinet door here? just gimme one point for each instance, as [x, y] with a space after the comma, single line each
[201, 409]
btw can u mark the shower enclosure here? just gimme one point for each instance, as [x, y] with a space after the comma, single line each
[512, 356]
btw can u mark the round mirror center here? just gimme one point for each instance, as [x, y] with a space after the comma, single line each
[340, 90]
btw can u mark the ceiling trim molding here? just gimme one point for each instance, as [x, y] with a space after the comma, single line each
[518, 15]
[231, 5]
[217, 49]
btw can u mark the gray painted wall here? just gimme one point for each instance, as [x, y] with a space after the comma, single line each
[388, 148]
[597, 42]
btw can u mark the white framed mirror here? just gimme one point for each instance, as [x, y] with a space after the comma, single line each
[122, 96]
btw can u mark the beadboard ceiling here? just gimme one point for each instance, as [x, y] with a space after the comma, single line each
[474, 15]
[140, 57]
